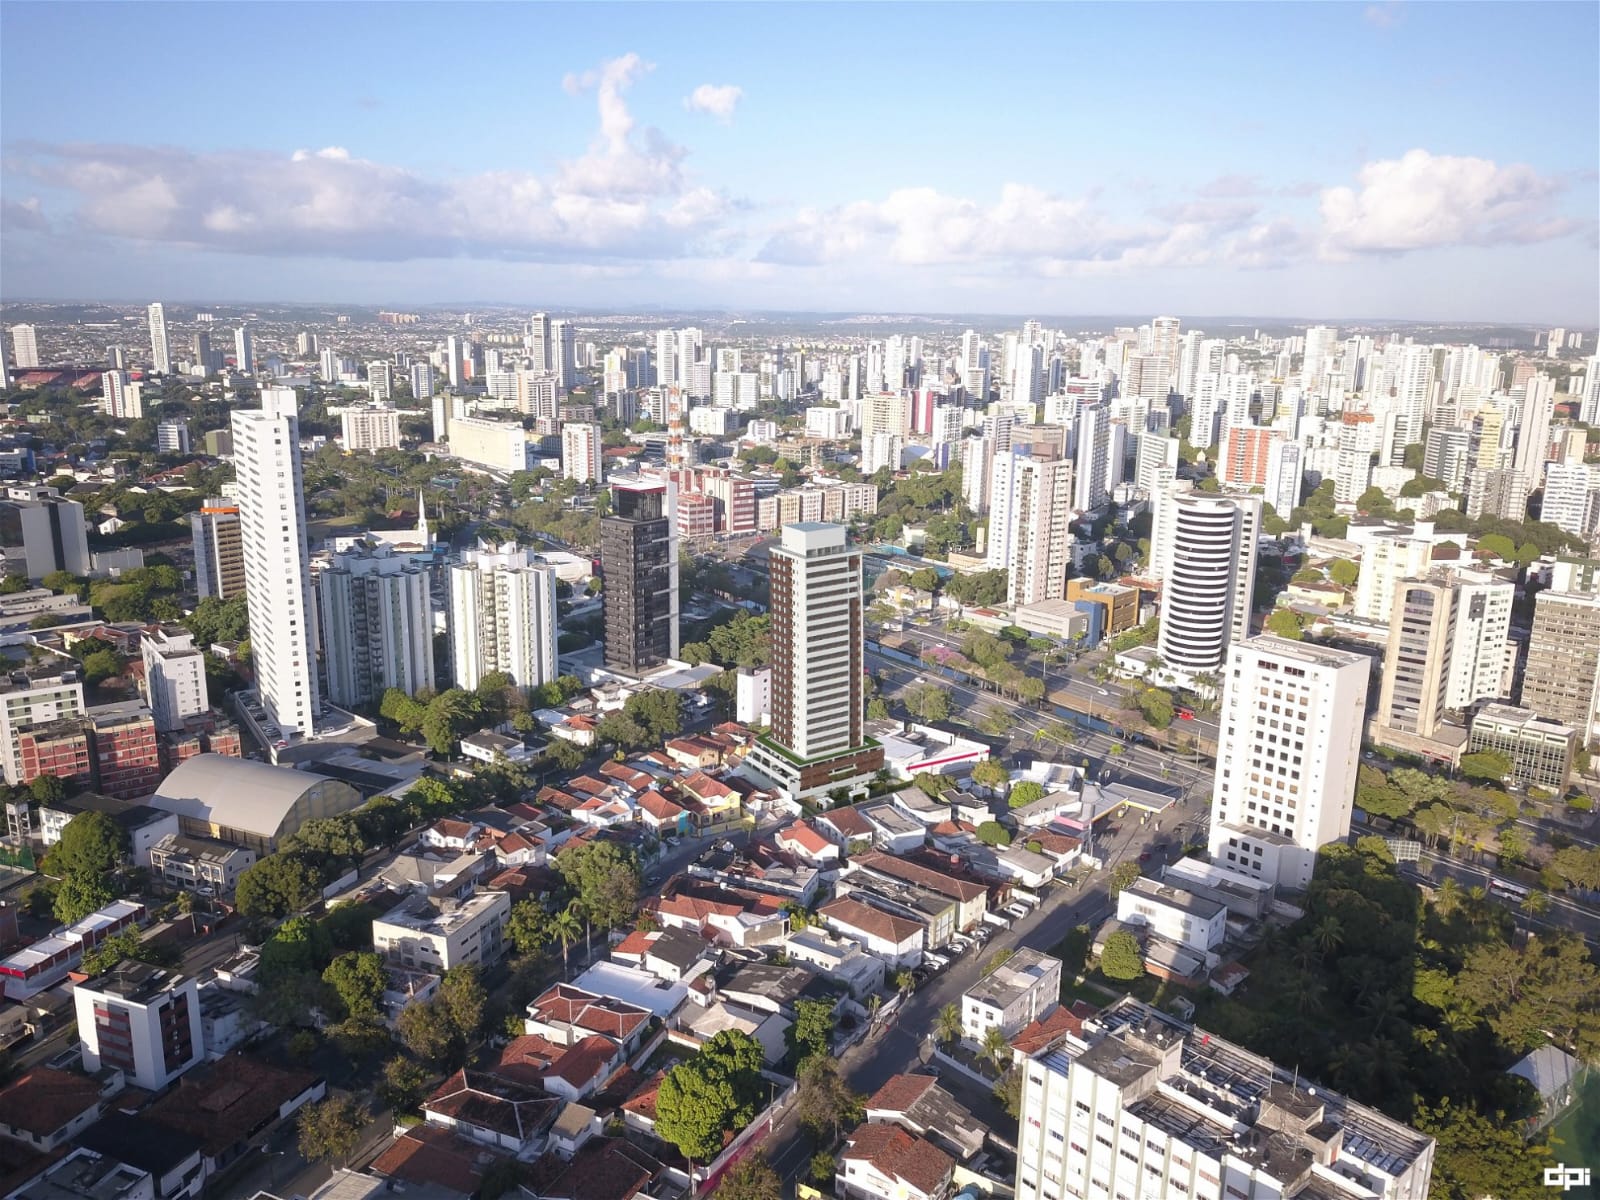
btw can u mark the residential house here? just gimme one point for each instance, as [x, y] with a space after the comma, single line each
[918, 1104]
[845, 828]
[567, 1014]
[493, 1111]
[1194, 922]
[839, 958]
[892, 829]
[45, 1108]
[971, 898]
[884, 1162]
[808, 845]
[897, 940]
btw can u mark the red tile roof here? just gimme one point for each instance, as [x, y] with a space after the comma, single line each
[934, 881]
[1051, 1027]
[807, 838]
[604, 1169]
[847, 821]
[432, 1154]
[586, 1061]
[496, 1103]
[900, 1092]
[564, 1004]
[897, 1154]
[44, 1100]
[855, 915]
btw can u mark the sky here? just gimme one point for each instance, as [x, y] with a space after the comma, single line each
[1434, 162]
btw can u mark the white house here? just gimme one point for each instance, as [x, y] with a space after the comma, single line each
[1191, 921]
[896, 940]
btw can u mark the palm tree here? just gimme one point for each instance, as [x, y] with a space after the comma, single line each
[1448, 898]
[904, 981]
[947, 1025]
[1329, 934]
[874, 1003]
[1536, 903]
[995, 1047]
[566, 928]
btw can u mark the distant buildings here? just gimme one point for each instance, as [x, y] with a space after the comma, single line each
[43, 532]
[498, 445]
[1030, 537]
[218, 549]
[24, 347]
[172, 437]
[580, 452]
[160, 352]
[375, 427]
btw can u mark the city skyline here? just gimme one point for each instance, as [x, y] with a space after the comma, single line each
[659, 160]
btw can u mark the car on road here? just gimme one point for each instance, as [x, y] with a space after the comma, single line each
[1016, 911]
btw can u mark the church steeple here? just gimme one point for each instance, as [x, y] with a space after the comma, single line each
[423, 535]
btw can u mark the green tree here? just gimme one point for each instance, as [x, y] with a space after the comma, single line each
[812, 1031]
[714, 1092]
[462, 994]
[429, 1032]
[405, 712]
[1286, 623]
[1121, 958]
[566, 927]
[1155, 704]
[992, 833]
[1344, 572]
[1008, 1091]
[1486, 766]
[1498, 545]
[1123, 875]
[529, 927]
[330, 1130]
[991, 773]
[604, 879]
[824, 1102]
[85, 860]
[401, 1087]
[359, 979]
[657, 710]
[276, 886]
[298, 946]
[947, 1025]
[1478, 1155]
[451, 714]
[1025, 793]
[751, 1178]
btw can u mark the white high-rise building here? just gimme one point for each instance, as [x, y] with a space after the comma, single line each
[538, 341]
[376, 624]
[422, 381]
[502, 616]
[1589, 405]
[120, 397]
[244, 350]
[580, 452]
[1285, 474]
[160, 351]
[1155, 461]
[563, 355]
[455, 356]
[1145, 1107]
[172, 437]
[1387, 557]
[1533, 431]
[380, 380]
[174, 676]
[277, 568]
[1208, 568]
[1288, 748]
[1093, 475]
[1321, 343]
[1483, 632]
[1038, 534]
[1570, 498]
[24, 347]
[376, 427]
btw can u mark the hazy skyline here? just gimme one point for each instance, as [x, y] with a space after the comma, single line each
[1407, 161]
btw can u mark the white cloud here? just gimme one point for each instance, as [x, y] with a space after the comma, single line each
[624, 197]
[1423, 200]
[717, 100]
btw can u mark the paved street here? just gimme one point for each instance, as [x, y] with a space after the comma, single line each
[899, 1047]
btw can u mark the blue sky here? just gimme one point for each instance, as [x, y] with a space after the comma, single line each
[1426, 161]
